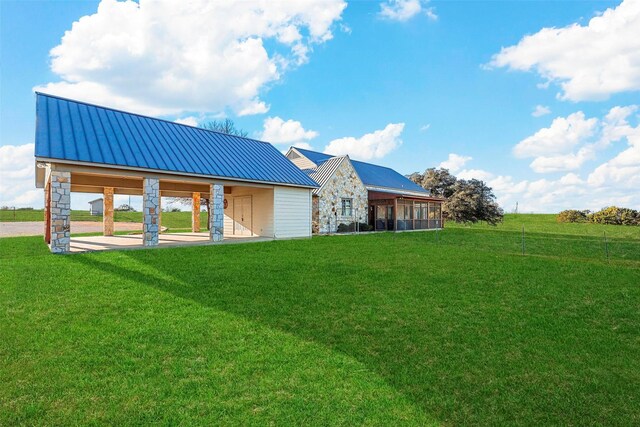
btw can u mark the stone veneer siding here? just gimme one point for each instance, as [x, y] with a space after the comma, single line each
[344, 184]
[150, 207]
[60, 203]
[216, 218]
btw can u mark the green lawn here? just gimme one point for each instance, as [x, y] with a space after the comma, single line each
[172, 220]
[380, 329]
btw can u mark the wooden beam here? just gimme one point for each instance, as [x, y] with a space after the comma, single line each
[105, 181]
[107, 212]
[195, 213]
[86, 168]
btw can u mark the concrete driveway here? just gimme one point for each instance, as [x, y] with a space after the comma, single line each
[36, 228]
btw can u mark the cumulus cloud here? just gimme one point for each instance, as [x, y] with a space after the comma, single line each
[622, 171]
[17, 176]
[167, 57]
[615, 181]
[290, 132]
[568, 143]
[589, 62]
[190, 120]
[562, 136]
[480, 174]
[454, 162]
[540, 110]
[374, 145]
[403, 10]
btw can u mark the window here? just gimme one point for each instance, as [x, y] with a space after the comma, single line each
[346, 207]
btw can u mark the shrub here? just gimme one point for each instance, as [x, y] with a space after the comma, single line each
[351, 227]
[615, 216]
[571, 215]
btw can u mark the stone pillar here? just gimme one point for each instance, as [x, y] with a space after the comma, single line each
[216, 201]
[150, 208]
[107, 211]
[195, 213]
[60, 206]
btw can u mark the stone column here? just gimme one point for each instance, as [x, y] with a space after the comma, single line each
[195, 213]
[216, 200]
[150, 208]
[107, 211]
[60, 206]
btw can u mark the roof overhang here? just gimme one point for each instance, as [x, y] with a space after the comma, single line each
[41, 178]
[403, 193]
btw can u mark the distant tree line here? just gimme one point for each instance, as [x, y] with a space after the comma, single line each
[612, 215]
[467, 201]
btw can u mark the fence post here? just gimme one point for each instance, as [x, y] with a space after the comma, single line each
[523, 246]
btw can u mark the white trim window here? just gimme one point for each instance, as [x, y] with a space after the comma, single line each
[347, 207]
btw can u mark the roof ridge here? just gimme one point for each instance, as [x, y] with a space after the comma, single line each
[346, 155]
[146, 117]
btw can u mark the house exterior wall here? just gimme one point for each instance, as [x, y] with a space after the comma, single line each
[300, 161]
[261, 210]
[292, 212]
[344, 184]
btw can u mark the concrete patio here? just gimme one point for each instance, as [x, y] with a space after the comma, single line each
[134, 241]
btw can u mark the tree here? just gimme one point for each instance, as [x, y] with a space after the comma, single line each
[439, 182]
[466, 201]
[225, 126]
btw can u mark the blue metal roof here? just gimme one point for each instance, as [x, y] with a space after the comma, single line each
[75, 131]
[371, 175]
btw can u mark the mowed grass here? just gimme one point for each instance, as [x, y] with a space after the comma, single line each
[171, 220]
[379, 329]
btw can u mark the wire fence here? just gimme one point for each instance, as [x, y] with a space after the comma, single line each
[535, 243]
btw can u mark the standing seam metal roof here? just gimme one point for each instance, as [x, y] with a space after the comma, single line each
[370, 174]
[80, 132]
[325, 171]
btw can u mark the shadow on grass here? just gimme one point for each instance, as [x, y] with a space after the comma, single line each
[468, 337]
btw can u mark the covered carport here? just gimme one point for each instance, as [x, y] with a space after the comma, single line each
[253, 191]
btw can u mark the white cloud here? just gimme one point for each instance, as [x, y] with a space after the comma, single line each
[480, 174]
[373, 145]
[622, 171]
[190, 120]
[425, 128]
[570, 142]
[403, 10]
[562, 136]
[589, 62]
[454, 162]
[614, 182]
[540, 110]
[290, 132]
[17, 176]
[167, 57]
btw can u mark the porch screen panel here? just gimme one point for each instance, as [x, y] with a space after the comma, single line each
[421, 222]
[405, 215]
[434, 216]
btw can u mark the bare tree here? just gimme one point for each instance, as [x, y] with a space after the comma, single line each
[225, 126]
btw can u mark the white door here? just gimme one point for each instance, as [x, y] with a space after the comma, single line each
[242, 216]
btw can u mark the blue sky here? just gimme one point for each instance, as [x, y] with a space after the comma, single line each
[408, 84]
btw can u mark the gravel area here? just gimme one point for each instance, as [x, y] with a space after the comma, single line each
[35, 228]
